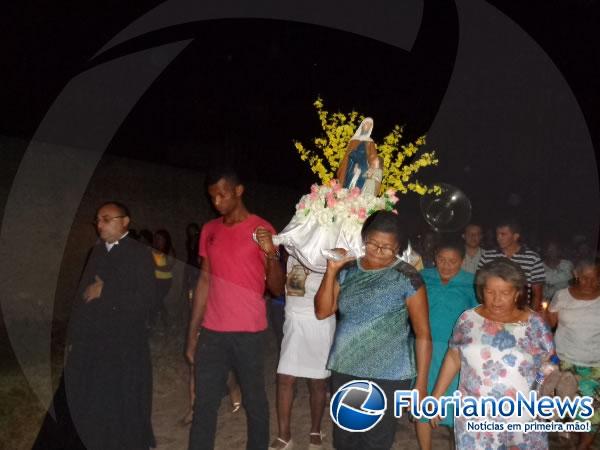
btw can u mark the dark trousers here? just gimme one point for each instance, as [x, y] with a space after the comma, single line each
[276, 319]
[216, 354]
[380, 437]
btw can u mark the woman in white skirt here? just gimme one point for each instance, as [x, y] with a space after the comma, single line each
[304, 352]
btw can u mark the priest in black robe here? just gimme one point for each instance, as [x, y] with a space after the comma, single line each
[105, 398]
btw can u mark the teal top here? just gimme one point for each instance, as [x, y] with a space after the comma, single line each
[446, 303]
[372, 337]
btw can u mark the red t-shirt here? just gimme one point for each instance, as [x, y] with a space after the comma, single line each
[237, 276]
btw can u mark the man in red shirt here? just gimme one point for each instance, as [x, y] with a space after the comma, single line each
[229, 312]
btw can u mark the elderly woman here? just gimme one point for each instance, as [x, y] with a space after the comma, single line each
[450, 291]
[498, 347]
[575, 312]
[378, 298]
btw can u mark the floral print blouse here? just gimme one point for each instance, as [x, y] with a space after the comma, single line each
[499, 359]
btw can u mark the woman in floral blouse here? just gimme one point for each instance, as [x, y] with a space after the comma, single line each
[498, 348]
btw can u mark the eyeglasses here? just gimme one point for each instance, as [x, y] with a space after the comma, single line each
[385, 251]
[105, 219]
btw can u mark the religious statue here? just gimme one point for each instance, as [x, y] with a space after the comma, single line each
[361, 165]
[331, 216]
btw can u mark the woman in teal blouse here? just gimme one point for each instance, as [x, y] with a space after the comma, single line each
[378, 297]
[450, 291]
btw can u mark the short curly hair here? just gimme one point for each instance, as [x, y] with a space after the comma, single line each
[508, 271]
[385, 222]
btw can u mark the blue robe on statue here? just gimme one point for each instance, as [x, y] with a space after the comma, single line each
[358, 156]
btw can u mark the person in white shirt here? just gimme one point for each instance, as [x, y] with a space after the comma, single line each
[575, 311]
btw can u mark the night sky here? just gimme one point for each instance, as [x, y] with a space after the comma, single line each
[243, 89]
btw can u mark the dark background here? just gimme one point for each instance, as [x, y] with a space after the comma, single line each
[244, 89]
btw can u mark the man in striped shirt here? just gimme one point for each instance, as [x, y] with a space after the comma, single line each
[507, 237]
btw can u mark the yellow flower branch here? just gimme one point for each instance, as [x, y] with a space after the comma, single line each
[339, 128]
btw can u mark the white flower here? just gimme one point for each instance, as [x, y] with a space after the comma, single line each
[345, 209]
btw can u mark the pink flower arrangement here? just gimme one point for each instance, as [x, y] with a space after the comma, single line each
[354, 192]
[333, 204]
[331, 201]
[335, 186]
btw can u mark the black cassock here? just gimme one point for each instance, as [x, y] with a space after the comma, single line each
[107, 380]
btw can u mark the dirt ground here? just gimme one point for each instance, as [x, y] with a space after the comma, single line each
[171, 402]
[21, 415]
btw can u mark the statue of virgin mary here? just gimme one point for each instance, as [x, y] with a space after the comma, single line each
[361, 161]
[308, 238]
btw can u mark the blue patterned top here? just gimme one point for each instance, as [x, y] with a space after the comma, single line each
[373, 337]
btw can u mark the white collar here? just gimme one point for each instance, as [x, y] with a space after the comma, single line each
[110, 246]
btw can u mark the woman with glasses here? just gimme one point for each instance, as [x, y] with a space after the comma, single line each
[450, 291]
[378, 298]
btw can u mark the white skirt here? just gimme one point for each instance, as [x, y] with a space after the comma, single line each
[306, 341]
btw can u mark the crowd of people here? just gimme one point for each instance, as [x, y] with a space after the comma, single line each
[477, 320]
